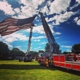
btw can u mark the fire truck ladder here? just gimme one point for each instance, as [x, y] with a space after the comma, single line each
[28, 56]
[54, 47]
[29, 42]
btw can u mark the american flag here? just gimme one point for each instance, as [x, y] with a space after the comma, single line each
[10, 25]
[3, 28]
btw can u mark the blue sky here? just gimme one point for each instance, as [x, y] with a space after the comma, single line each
[62, 16]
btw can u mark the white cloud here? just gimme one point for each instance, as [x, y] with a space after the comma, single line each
[18, 47]
[35, 48]
[75, 5]
[22, 1]
[17, 10]
[37, 2]
[76, 19]
[37, 40]
[3, 40]
[61, 18]
[58, 6]
[39, 37]
[43, 42]
[5, 7]
[78, 1]
[30, 8]
[9, 45]
[40, 30]
[65, 16]
[37, 29]
[34, 2]
[57, 33]
[39, 47]
[68, 50]
[57, 37]
[45, 9]
[27, 11]
[66, 46]
[78, 22]
[14, 37]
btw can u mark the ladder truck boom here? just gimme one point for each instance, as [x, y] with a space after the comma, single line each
[29, 42]
[53, 58]
[28, 56]
[54, 47]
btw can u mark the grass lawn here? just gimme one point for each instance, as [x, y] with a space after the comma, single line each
[15, 70]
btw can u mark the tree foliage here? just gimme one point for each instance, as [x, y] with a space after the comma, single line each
[4, 51]
[47, 47]
[16, 52]
[76, 48]
[40, 51]
[33, 54]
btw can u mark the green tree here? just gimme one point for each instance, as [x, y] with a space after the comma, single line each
[47, 47]
[16, 52]
[33, 54]
[65, 52]
[40, 51]
[76, 48]
[4, 51]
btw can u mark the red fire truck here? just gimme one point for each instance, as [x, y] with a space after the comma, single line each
[68, 61]
[55, 57]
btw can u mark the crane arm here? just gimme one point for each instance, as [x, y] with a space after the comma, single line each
[29, 42]
[54, 47]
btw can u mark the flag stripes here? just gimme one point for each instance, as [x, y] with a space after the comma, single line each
[10, 30]
[13, 25]
[3, 29]
[26, 26]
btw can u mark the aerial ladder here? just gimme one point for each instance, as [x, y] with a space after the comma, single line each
[46, 58]
[54, 47]
[28, 56]
[29, 42]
